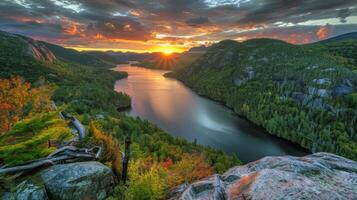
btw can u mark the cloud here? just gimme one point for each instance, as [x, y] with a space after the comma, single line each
[323, 32]
[184, 22]
[123, 28]
[343, 14]
[291, 11]
[197, 21]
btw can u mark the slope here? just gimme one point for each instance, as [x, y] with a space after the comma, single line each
[300, 93]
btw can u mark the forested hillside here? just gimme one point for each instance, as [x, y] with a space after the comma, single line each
[303, 93]
[32, 76]
[84, 58]
[343, 48]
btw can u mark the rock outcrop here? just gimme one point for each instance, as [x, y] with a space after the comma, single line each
[27, 190]
[27, 46]
[85, 180]
[316, 176]
[39, 51]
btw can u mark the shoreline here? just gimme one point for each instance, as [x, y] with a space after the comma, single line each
[307, 151]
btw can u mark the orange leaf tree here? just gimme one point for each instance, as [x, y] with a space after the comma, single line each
[19, 99]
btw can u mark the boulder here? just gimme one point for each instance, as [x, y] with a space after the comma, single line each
[85, 180]
[301, 98]
[318, 92]
[317, 103]
[317, 176]
[346, 87]
[27, 190]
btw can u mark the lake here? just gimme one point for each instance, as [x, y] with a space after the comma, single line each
[178, 110]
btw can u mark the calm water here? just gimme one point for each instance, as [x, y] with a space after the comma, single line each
[178, 110]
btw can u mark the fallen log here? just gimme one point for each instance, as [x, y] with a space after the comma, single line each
[28, 166]
[80, 128]
[76, 124]
[67, 154]
[57, 151]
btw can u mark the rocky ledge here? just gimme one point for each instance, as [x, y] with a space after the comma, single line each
[83, 180]
[316, 176]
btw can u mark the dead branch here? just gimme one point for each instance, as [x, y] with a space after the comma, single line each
[67, 154]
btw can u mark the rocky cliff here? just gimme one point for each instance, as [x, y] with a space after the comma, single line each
[316, 176]
[39, 51]
[27, 46]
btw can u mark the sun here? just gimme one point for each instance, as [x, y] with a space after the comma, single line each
[167, 52]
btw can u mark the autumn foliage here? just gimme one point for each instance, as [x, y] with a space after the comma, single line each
[190, 168]
[111, 148]
[19, 99]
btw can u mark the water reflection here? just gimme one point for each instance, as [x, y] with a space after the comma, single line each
[179, 111]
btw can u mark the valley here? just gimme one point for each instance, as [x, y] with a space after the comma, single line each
[182, 113]
[283, 100]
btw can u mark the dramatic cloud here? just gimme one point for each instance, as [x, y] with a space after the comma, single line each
[120, 29]
[197, 21]
[150, 25]
[343, 14]
[323, 32]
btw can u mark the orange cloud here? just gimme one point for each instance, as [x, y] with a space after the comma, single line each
[71, 30]
[300, 38]
[135, 13]
[98, 36]
[323, 32]
[26, 19]
[71, 27]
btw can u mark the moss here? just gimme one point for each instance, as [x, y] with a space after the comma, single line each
[28, 139]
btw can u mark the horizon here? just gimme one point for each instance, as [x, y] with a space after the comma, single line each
[171, 26]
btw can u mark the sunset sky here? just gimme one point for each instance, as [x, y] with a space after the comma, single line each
[175, 25]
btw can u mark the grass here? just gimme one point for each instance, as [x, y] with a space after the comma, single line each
[28, 139]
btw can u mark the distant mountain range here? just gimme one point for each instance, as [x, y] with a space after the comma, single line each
[346, 36]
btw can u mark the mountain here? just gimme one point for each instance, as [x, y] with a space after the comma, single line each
[302, 93]
[319, 176]
[345, 47]
[108, 59]
[34, 61]
[47, 52]
[124, 57]
[13, 44]
[199, 49]
[346, 36]
[173, 61]
[83, 58]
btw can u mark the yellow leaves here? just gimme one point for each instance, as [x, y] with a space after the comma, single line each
[145, 183]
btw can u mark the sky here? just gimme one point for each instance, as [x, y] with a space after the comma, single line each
[174, 25]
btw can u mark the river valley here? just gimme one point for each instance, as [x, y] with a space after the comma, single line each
[178, 110]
